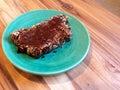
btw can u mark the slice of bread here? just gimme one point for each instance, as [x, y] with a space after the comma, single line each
[43, 37]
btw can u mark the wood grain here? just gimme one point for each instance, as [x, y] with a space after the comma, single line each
[111, 5]
[101, 68]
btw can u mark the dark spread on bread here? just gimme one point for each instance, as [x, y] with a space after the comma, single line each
[43, 37]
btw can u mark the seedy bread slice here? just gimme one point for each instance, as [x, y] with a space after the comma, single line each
[43, 37]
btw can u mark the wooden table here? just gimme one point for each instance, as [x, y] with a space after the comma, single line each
[101, 68]
[112, 5]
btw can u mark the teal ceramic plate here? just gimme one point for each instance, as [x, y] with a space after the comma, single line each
[70, 55]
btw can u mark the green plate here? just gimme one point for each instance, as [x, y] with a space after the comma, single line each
[70, 55]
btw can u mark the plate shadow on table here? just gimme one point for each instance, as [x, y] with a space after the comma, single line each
[71, 74]
[77, 71]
